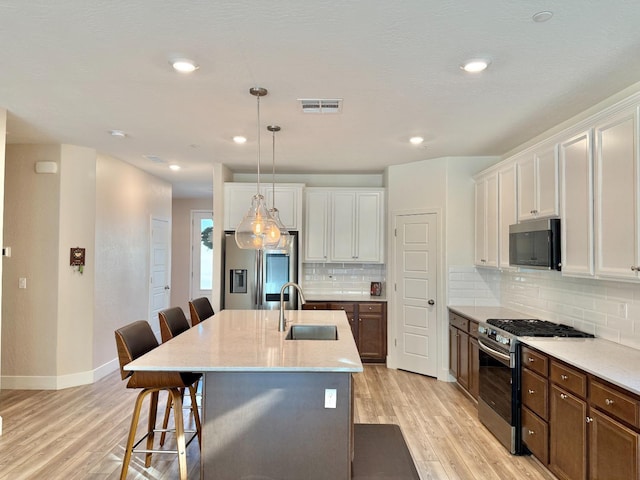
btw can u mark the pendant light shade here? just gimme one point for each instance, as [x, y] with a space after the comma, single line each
[285, 238]
[257, 230]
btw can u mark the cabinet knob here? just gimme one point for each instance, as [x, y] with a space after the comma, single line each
[563, 396]
[608, 401]
[589, 419]
[531, 392]
[531, 359]
[531, 432]
[564, 377]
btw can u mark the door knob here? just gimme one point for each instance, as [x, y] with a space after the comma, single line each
[431, 302]
[167, 287]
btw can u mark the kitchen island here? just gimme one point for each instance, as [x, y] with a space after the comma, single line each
[273, 407]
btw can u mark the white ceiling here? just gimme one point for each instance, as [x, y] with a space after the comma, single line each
[71, 70]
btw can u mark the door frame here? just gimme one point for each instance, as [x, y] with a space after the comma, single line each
[441, 288]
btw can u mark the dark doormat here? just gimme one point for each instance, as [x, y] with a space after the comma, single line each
[380, 452]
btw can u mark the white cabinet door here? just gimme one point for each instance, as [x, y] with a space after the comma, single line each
[343, 227]
[526, 167]
[576, 176]
[538, 184]
[369, 212]
[616, 193]
[237, 200]
[486, 249]
[316, 229]
[481, 227]
[288, 201]
[547, 182]
[507, 211]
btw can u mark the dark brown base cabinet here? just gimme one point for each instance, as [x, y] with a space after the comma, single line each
[463, 352]
[368, 322]
[593, 428]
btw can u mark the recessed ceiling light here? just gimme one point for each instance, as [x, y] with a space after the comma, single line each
[117, 133]
[542, 16]
[476, 65]
[175, 167]
[184, 65]
[416, 140]
[239, 139]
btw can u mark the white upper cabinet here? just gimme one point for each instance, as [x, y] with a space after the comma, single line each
[316, 226]
[576, 180]
[507, 211]
[616, 193]
[486, 219]
[288, 201]
[344, 225]
[537, 175]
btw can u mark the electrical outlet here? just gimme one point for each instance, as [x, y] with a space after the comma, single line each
[330, 397]
[22, 282]
[622, 310]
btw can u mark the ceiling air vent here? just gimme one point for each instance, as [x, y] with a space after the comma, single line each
[321, 105]
[154, 158]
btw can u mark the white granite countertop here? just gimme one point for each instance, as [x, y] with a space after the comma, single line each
[608, 360]
[249, 341]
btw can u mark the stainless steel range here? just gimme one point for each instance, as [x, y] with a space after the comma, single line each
[500, 382]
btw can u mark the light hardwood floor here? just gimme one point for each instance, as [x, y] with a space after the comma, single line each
[80, 433]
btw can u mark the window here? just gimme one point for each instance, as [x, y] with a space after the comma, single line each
[201, 253]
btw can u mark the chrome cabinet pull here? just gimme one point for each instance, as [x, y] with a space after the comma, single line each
[531, 359]
[563, 396]
[531, 432]
[589, 419]
[531, 392]
[564, 377]
[608, 401]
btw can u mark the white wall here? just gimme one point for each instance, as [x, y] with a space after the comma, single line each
[126, 199]
[181, 248]
[444, 186]
[3, 136]
[31, 215]
[221, 174]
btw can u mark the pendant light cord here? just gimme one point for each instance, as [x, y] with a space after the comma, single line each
[258, 144]
[273, 170]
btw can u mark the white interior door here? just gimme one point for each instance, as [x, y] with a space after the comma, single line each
[160, 271]
[416, 289]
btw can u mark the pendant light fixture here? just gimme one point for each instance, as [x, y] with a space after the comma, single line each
[257, 230]
[285, 238]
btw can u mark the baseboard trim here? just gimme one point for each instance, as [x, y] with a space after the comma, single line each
[58, 382]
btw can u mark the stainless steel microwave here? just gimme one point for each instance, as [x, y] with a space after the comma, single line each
[535, 244]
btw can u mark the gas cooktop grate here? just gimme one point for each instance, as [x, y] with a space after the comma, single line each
[533, 327]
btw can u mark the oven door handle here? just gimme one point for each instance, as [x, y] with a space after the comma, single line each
[492, 352]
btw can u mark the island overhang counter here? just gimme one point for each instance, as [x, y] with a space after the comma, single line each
[272, 407]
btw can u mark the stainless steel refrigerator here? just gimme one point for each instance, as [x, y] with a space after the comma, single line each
[253, 278]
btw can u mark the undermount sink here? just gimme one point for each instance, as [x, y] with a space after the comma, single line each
[312, 332]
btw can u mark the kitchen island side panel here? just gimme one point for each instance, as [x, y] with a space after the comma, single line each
[275, 425]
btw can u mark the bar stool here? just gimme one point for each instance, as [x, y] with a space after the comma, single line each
[133, 341]
[173, 322]
[200, 309]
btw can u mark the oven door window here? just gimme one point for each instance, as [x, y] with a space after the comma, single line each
[496, 386]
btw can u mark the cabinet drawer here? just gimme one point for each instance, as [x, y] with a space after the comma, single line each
[535, 435]
[535, 361]
[314, 306]
[535, 393]
[370, 308]
[569, 379]
[459, 322]
[616, 403]
[347, 307]
[473, 329]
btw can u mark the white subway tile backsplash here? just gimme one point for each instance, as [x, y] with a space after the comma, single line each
[595, 306]
[341, 279]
